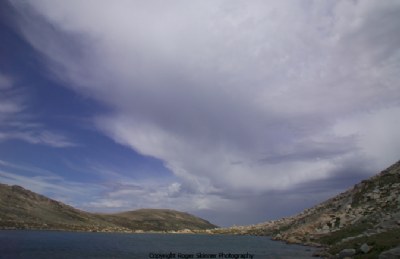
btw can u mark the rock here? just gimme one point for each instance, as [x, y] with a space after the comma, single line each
[325, 229]
[347, 253]
[293, 240]
[321, 253]
[391, 254]
[365, 248]
[376, 196]
[347, 239]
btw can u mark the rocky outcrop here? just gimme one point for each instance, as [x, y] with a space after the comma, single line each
[346, 253]
[368, 212]
[391, 254]
[373, 203]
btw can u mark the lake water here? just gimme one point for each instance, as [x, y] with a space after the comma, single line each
[52, 244]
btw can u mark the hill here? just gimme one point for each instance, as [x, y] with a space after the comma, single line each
[24, 209]
[158, 219]
[365, 218]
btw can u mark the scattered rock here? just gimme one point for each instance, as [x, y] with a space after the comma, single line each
[347, 253]
[321, 253]
[365, 248]
[325, 229]
[293, 240]
[391, 254]
[372, 207]
[347, 239]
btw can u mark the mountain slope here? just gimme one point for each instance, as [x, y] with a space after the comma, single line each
[162, 220]
[367, 213]
[23, 209]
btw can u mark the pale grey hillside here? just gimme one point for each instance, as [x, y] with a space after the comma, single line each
[365, 218]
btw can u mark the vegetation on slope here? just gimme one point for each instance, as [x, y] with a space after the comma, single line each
[23, 209]
[163, 220]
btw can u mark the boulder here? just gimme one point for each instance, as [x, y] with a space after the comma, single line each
[293, 240]
[347, 253]
[322, 253]
[391, 254]
[365, 248]
[325, 229]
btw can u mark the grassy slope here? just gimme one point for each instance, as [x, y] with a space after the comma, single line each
[150, 219]
[21, 208]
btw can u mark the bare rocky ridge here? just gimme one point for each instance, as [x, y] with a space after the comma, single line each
[365, 219]
[23, 209]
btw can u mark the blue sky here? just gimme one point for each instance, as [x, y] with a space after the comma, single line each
[234, 111]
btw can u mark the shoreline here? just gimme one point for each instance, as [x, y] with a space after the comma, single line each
[320, 250]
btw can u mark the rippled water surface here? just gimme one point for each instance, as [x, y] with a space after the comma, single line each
[48, 244]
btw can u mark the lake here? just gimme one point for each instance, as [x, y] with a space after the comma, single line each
[53, 244]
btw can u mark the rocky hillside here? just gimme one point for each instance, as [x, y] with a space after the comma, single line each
[365, 219]
[23, 209]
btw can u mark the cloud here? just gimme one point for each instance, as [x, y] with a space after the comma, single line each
[233, 97]
[40, 136]
[131, 195]
[47, 183]
[5, 82]
[30, 169]
[11, 100]
[376, 132]
[17, 122]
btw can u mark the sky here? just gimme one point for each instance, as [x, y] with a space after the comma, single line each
[235, 111]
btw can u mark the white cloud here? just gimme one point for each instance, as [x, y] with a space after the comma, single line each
[51, 185]
[17, 122]
[130, 195]
[11, 100]
[232, 96]
[40, 136]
